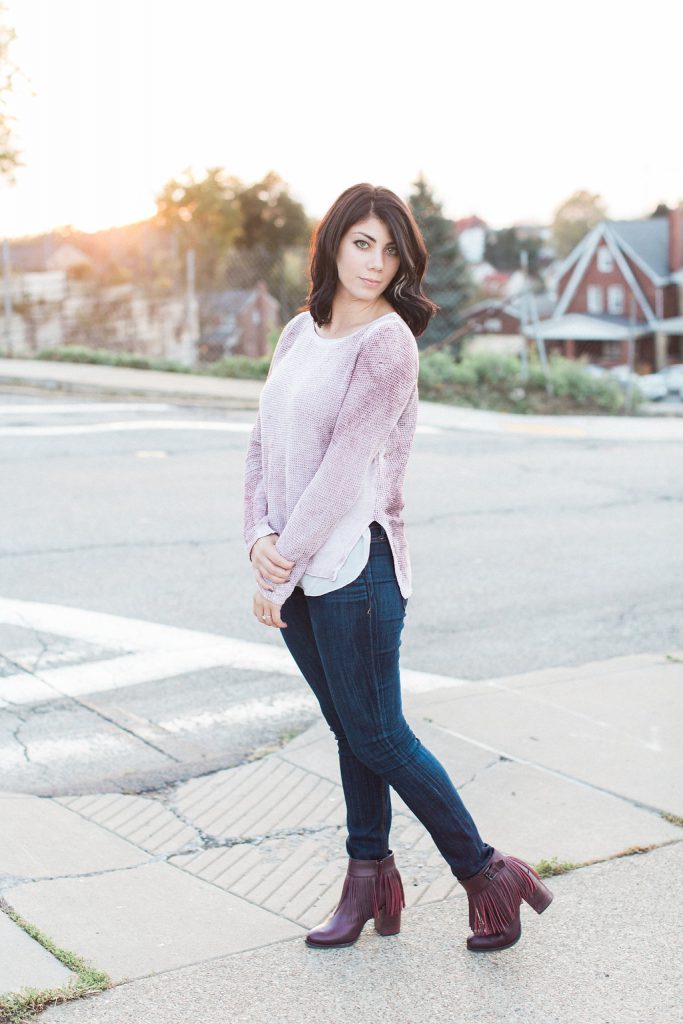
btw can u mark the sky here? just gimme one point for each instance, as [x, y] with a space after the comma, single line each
[506, 108]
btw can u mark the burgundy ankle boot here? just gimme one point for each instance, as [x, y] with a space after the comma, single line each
[372, 888]
[495, 895]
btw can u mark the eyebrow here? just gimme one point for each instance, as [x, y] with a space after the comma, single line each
[371, 238]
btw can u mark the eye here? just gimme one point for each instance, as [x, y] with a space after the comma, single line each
[394, 250]
[360, 241]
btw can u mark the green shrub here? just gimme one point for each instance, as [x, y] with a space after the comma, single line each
[491, 380]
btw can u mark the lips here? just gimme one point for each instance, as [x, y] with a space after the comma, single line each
[367, 280]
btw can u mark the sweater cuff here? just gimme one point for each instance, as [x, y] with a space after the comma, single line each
[281, 591]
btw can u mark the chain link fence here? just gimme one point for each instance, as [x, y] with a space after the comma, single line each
[190, 308]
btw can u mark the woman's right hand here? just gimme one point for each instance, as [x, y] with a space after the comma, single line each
[269, 565]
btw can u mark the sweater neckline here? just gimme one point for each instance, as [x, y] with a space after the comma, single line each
[345, 337]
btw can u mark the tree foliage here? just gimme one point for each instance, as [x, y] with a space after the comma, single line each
[270, 217]
[218, 216]
[503, 250]
[9, 154]
[447, 281]
[574, 218]
[203, 216]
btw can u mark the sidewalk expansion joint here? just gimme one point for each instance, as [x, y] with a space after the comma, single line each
[503, 755]
[480, 771]
[9, 882]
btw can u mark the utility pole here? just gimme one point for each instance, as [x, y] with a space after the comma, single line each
[524, 318]
[628, 404]
[7, 297]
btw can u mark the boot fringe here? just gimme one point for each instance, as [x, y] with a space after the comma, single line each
[393, 896]
[492, 910]
[362, 896]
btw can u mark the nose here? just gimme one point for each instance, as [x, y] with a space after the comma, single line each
[376, 261]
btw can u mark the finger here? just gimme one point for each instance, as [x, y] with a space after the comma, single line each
[279, 559]
[264, 581]
[275, 572]
[276, 618]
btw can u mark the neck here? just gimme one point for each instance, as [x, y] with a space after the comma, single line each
[348, 312]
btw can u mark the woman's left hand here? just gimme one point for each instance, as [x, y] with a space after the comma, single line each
[267, 612]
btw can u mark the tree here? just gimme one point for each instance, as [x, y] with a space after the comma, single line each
[204, 216]
[503, 249]
[447, 281]
[271, 219]
[574, 218]
[273, 240]
[9, 154]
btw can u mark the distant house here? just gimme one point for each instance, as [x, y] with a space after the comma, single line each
[237, 322]
[621, 268]
[471, 233]
[497, 324]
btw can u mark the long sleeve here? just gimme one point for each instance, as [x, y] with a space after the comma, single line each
[384, 378]
[256, 523]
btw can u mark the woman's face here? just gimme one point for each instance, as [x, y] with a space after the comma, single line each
[367, 259]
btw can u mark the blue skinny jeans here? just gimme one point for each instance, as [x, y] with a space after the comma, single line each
[346, 644]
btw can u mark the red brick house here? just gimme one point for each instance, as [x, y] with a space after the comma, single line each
[621, 267]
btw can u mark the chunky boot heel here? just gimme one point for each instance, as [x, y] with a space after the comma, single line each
[388, 924]
[541, 898]
[391, 897]
[495, 895]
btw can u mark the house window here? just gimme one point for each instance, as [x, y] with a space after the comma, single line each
[595, 299]
[605, 261]
[615, 299]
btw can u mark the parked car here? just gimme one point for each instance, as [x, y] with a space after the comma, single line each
[673, 375]
[621, 372]
[651, 385]
[593, 370]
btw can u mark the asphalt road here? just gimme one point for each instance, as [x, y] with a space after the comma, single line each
[129, 655]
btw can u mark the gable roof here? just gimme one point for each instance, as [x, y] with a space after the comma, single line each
[645, 241]
[582, 255]
[583, 327]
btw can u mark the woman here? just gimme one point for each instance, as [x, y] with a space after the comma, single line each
[323, 499]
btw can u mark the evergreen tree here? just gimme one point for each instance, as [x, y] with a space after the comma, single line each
[447, 281]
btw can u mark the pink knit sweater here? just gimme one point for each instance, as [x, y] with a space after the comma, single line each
[336, 422]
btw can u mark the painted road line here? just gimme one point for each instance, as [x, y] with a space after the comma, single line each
[546, 430]
[117, 426]
[145, 652]
[40, 409]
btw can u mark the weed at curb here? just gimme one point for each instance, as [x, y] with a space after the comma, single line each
[21, 1006]
[675, 819]
[547, 868]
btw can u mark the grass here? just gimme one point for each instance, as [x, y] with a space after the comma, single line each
[17, 1007]
[547, 868]
[675, 819]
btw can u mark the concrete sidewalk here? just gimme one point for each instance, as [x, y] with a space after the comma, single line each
[31, 377]
[196, 902]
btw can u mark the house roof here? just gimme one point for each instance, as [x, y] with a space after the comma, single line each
[513, 306]
[229, 300]
[469, 222]
[645, 241]
[672, 325]
[586, 328]
[648, 239]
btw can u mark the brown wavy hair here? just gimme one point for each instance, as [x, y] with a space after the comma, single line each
[404, 291]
